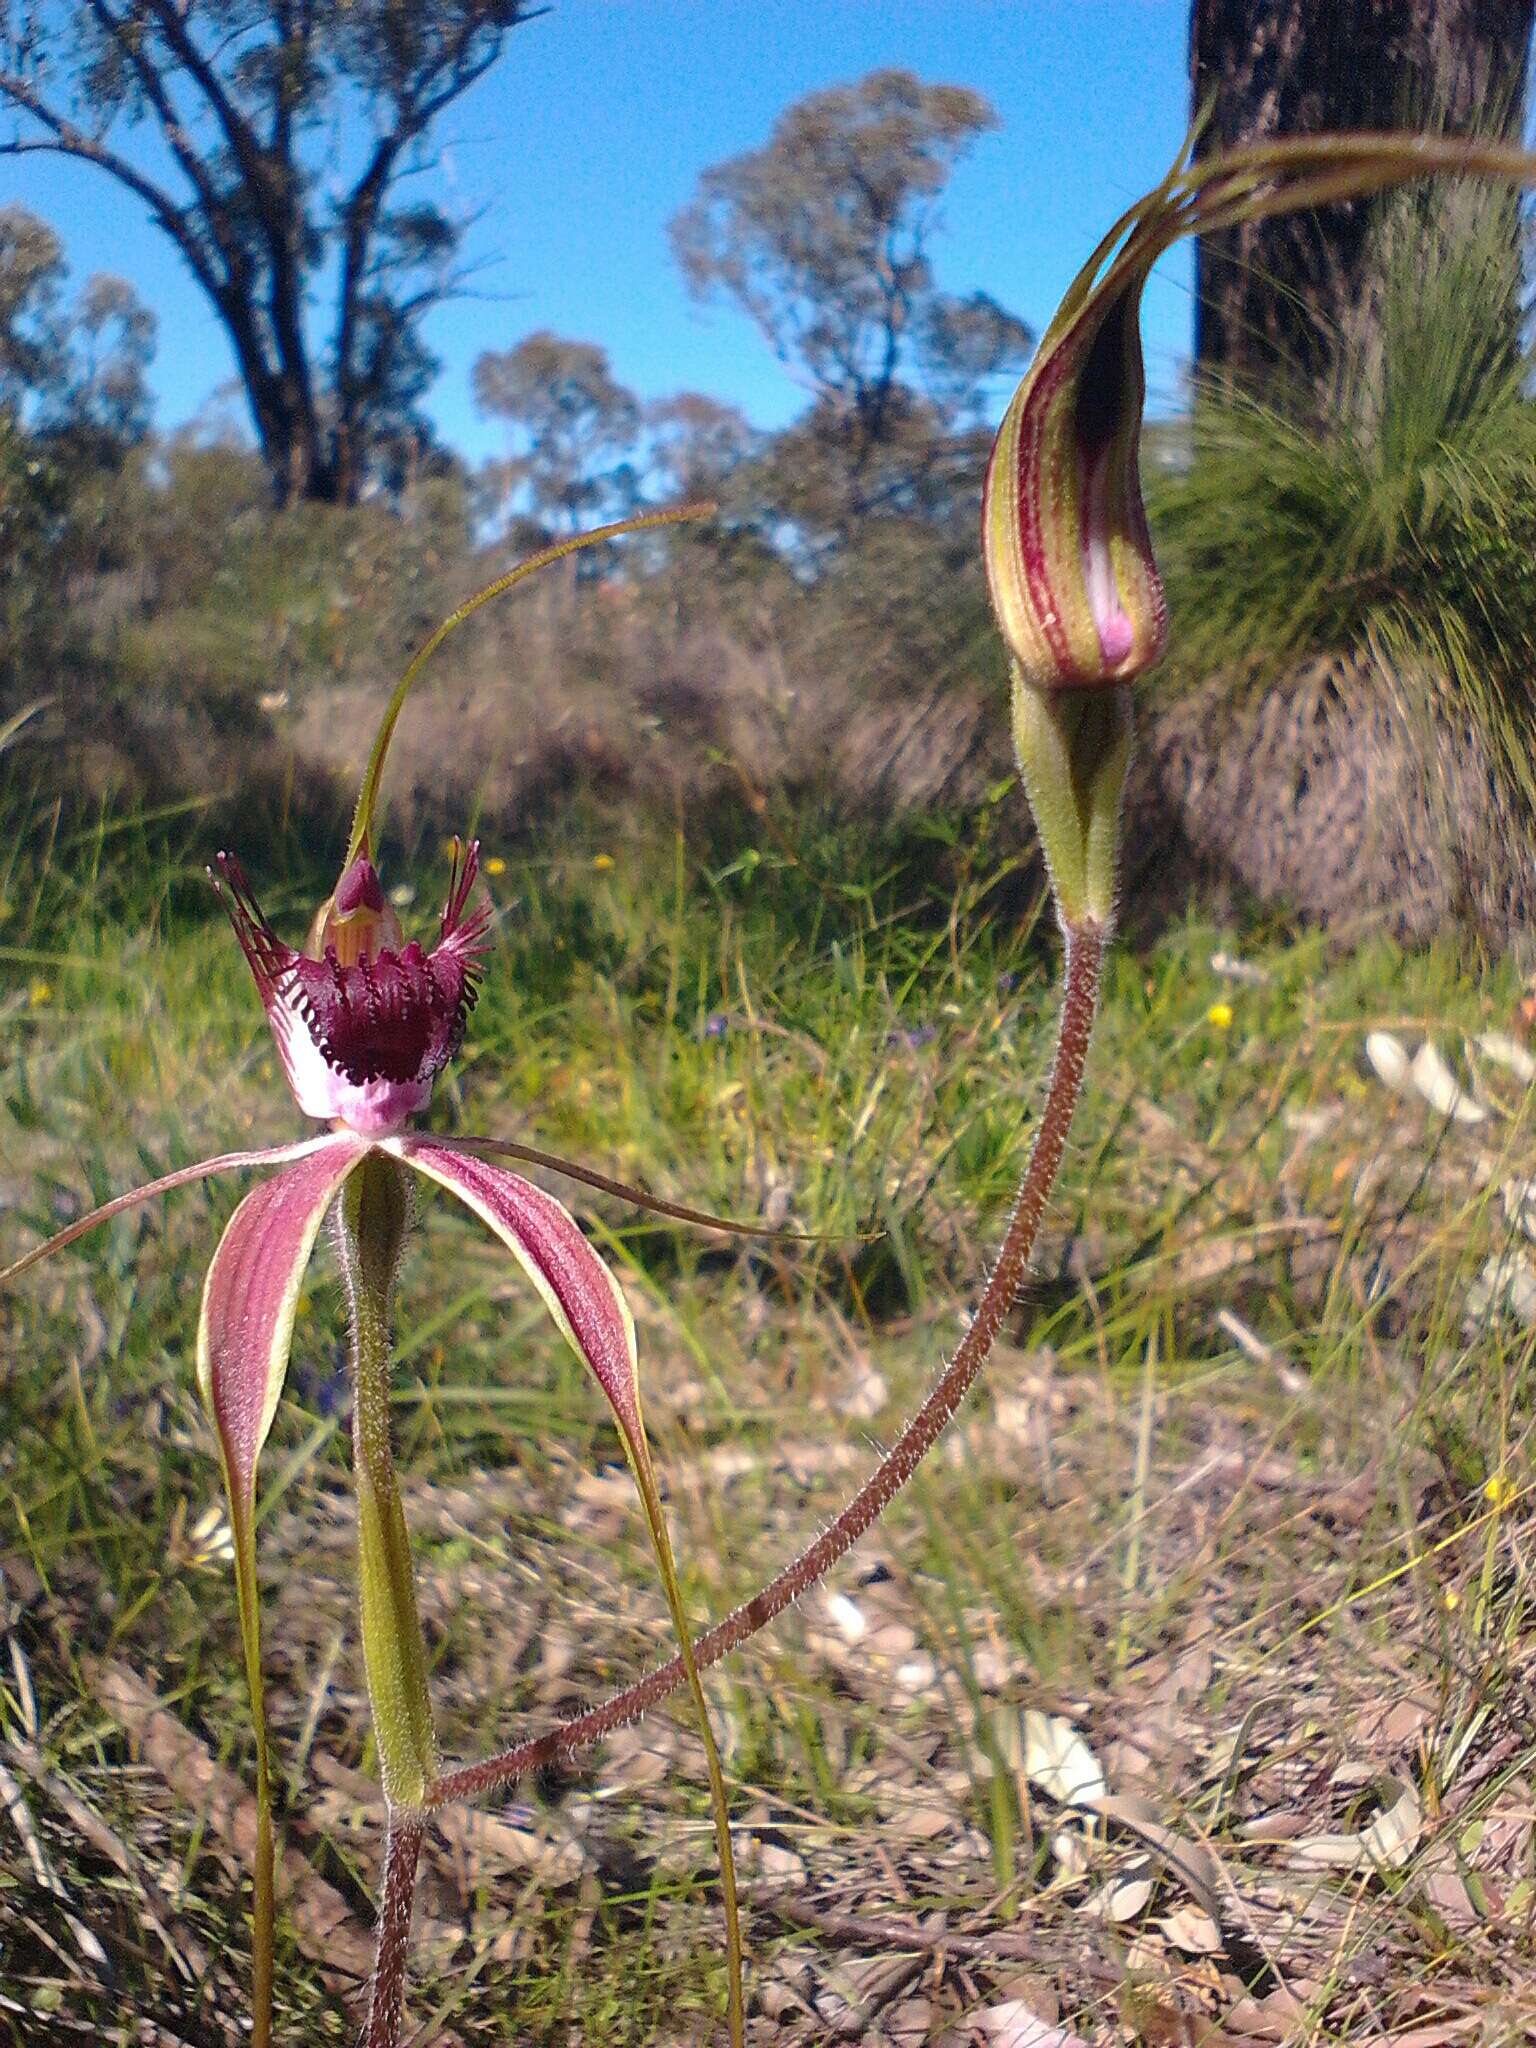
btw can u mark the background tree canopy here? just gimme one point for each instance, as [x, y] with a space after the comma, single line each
[823, 239]
[220, 116]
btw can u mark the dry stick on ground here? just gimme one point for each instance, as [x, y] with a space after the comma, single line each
[1085, 945]
[187, 1954]
[91, 1962]
[891, 1936]
[321, 1916]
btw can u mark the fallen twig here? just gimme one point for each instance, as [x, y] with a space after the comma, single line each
[321, 1917]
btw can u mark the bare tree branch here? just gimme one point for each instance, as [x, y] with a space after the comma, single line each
[69, 140]
[230, 91]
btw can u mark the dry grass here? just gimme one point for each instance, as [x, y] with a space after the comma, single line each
[1330, 794]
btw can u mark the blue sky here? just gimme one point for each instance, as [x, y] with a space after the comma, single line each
[576, 150]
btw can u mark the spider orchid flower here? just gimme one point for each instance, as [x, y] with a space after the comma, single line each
[364, 1022]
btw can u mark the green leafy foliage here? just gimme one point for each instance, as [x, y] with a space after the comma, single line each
[1397, 515]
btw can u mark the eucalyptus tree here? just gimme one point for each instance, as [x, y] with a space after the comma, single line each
[572, 427]
[823, 238]
[268, 140]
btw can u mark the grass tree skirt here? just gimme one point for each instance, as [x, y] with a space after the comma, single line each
[1332, 792]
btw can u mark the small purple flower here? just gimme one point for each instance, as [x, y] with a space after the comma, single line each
[716, 1024]
[912, 1041]
[328, 1393]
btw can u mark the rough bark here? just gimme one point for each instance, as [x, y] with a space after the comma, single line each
[1271, 294]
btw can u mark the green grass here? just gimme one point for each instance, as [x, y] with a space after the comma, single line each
[1391, 514]
[1140, 1526]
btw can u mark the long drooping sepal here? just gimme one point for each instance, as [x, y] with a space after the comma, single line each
[226, 1162]
[375, 1211]
[1074, 747]
[589, 1308]
[658, 1205]
[243, 1338]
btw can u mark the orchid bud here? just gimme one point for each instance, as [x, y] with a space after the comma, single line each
[1072, 579]
[1069, 564]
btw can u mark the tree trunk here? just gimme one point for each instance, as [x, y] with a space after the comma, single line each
[301, 469]
[1270, 295]
[283, 414]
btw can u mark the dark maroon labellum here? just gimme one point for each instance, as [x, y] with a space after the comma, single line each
[395, 1014]
[396, 1017]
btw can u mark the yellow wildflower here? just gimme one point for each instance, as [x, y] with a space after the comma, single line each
[39, 993]
[602, 862]
[1499, 1490]
[1219, 1016]
[495, 865]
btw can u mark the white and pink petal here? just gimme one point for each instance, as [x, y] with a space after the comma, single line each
[582, 1296]
[251, 1295]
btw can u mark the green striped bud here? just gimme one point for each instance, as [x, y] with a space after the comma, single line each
[1064, 535]
[1069, 564]
[1073, 583]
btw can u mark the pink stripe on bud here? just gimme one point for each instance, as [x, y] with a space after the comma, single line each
[1064, 536]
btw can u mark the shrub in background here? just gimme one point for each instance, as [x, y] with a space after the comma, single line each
[1366, 561]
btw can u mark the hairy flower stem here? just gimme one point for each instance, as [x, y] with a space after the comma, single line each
[386, 1993]
[371, 1232]
[1085, 943]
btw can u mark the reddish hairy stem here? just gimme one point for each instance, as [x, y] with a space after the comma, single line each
[386, 1993]
[1084, 957]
